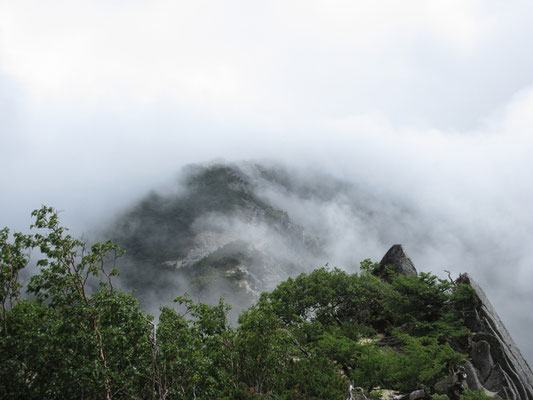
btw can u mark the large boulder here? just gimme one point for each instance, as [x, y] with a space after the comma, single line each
[397, 259]
[482, 358]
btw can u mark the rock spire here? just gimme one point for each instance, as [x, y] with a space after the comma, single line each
[397, 259]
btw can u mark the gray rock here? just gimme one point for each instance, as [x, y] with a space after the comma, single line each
[510, 375]
[441, 387]
[497, 364]
[472, 379]
[495, 380]
[482, 358]
[397, 258]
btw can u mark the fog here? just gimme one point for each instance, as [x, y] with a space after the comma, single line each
[426, 105]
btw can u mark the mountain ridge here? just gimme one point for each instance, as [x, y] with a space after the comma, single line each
[222, 235]
[217, 215]
[497, 365]
[386, 328]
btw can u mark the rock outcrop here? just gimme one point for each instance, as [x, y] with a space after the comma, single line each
[397, 259]
[496, 365]
[499, 365]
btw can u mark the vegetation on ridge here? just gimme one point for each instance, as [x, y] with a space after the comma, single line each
[78, 336]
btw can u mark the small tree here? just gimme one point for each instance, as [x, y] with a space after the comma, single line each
[13, 258]
[195, 352]
[81, 336]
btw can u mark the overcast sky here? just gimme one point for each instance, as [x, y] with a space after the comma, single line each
[428, 101]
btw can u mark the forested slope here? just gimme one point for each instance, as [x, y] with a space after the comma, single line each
[80, 337]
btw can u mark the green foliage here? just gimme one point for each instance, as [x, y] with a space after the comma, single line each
[13, 258]
[194, 351]
[375, 395]
[314, 378]
[328, 297]
[264, 349]
[80, 337]
[336, 315]
[424, 361]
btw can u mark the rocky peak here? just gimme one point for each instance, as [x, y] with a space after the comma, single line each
[495, 363]
[398, 259]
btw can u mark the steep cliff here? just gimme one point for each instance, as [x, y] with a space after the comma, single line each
[496, 364]
[499, 365]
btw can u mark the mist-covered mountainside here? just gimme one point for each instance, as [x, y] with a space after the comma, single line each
[232, 230]
[212, 236]
[235, 230]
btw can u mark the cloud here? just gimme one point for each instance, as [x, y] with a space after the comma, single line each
[416, 60]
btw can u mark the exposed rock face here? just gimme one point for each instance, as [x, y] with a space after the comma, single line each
[499, 365]
[472, 378]
[399, 260]
[482, 358]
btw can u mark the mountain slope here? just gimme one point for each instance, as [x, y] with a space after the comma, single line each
[213, 237]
